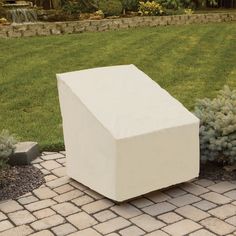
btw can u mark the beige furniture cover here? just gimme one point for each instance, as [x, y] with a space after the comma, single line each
[124, 135]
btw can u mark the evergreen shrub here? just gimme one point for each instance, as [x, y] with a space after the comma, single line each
[110, 7]
[218, 127]
[7, 147]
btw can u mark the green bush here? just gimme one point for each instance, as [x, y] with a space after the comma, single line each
[88, 5]
[130, 5]
[150, 8]
[218, 127]
[110, 7]
[170, 4]
[3, 13]
[188, 11]
[177, 5]
[170, 12]
[71, 7]
[7, 147]
[188, 4]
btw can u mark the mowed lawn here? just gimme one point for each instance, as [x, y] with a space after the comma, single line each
[190, 62]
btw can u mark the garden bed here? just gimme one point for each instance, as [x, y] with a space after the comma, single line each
[216, 171]
[18, 180]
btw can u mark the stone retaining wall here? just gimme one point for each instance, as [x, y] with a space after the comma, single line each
[57, 28]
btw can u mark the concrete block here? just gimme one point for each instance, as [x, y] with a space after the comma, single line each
[25, 152]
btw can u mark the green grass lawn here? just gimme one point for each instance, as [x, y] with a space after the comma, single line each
[191, 62]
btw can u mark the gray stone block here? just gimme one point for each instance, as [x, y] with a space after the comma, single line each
[25, 152]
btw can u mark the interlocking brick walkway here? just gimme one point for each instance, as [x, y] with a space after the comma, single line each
[64, 207]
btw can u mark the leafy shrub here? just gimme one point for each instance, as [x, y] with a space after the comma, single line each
[131, 5]
[81, 5]
[7, 147]
[188, 4]
[169, 12]
[88, 5]
[218, 127]
[188, 11]
[177, 4]
[150, 8]
[3, 20]
[110, 7]
[99, 13]
[71, 7]
[204, 3]
[170, 4]
[3, 12]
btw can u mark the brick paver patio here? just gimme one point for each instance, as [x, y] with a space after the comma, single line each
[64, 207]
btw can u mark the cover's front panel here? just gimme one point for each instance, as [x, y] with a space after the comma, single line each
[158, 160]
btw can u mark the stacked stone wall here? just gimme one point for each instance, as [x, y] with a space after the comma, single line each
[58, 28]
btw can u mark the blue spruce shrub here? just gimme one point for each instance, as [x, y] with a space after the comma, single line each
[7, 147]
[218, 127]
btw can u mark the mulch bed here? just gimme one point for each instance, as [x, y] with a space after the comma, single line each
[215, 171]
[18, 180]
